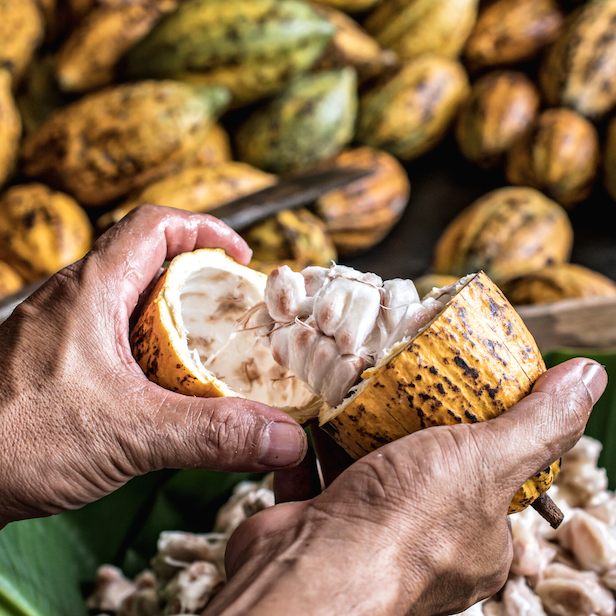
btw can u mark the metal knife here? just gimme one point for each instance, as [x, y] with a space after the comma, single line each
[290, 192]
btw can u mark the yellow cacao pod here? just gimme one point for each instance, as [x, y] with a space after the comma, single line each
[507, 232]
[10, 127]
[10, 280]
[558, 155]
[501, 106]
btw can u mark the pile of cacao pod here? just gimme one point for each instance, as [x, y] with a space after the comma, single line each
[107, 104]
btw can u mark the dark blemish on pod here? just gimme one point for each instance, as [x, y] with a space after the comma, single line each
[440, 388]
[433, 370]
[456, 417]
[472, 418]
[472, 372]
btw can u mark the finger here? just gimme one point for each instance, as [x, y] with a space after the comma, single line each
[299, 483]
[332, 458]
[132, 251]
[230, 434]
[542, 426]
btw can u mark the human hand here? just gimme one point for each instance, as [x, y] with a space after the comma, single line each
[78, 416]
[417, 527]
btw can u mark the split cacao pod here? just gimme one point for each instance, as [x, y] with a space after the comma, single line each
[559, 155]
[410, 112]
[557, 282]
[41, 230]
[507, 232]
[309, 121]
[579, 68]
[252, 47]
[500, 107]
[123, 137]
[362, 213]
[511, 31]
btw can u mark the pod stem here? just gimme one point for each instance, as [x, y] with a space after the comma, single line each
[548, 510]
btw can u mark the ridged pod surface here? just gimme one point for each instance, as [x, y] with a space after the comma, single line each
[609, 159]
[87, 59]
[511, 31]
[409, 112]
[41, 230]
[558, 155]
[291, 235]
[361, 214]
[579, 69]
[352, 46]
[474, 361]
[507, 232]
[120, 138]
[10, 280]
[309, 121]
[10, 127]
[415, 27]
[21, 32]
[253, 47]
[501, 106]
[558, 282]
[195, 189]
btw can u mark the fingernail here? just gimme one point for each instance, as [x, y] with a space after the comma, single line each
[282, 444]
[595, 379]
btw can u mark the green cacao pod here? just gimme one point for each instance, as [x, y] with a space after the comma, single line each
[415, 27]
[579, 69]
[310, 120]
[559, 155]
[501, 106]
[409, 112]
[123, 137]
[508, 232]
[511, 31]
[253, 47]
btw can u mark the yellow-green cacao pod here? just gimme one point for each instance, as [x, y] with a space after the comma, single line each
[511, 31]
[501, 106]
[557, 282]
[296, 236]
[362, 213]
[409, 112]
[10, 127]
[123, 137]
[309, 121]
[579, 69]
[559, 155]
[508, 232]
[253, 47]
[415, 27]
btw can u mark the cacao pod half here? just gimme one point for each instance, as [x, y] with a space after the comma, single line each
[508, 232]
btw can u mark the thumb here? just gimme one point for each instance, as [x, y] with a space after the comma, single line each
[226, 434]
[544, 425]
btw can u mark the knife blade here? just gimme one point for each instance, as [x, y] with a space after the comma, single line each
[290, 192]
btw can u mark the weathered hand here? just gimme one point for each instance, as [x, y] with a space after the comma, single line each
[78, 418]
[418, 526]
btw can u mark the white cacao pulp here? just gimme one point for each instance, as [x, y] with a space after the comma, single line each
[327, 325]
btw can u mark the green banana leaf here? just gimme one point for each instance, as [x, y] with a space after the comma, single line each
[47, 566]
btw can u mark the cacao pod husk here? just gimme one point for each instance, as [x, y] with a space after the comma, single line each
[362, 213]
[21, 32]
[353, 46]
[216, 147]
[309, 121]
[410, 112]
[10, 127]
[195, 189]
[579, 68]
[507, 232]
[511, 31]
[123, 137]
[414, 27]
[558, 155]
[41, 230]
[297, 236]
[87, 59]
[558, 282]
[253, 47]
[501, 106]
